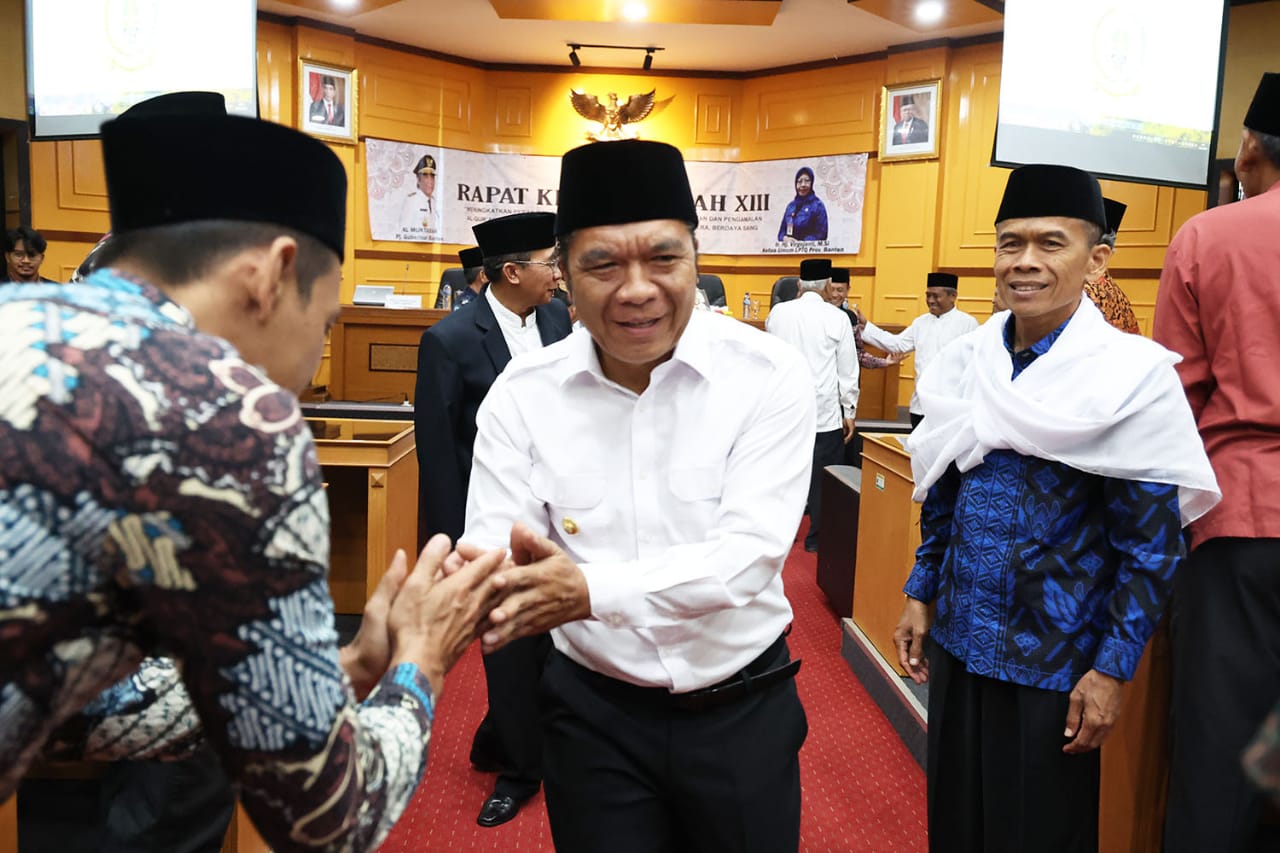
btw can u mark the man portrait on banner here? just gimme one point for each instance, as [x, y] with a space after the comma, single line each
[419, 211]
[326, 109]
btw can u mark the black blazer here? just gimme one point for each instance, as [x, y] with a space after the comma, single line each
[458, 359]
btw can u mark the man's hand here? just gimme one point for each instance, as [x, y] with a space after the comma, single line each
[369, 654]
[434, 618]
[542, 590]
[909, 638]
[896, 357]
[848, 430]
[1094, 709]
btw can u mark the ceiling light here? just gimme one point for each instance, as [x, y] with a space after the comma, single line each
[648, 59]
[930, 11]
[573, 55]
[635, 11]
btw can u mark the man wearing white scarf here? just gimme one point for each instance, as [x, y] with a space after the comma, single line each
[1057, 461]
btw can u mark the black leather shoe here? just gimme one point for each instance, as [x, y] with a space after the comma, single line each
[497, 810]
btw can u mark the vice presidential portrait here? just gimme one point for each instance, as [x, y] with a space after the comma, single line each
[911, 127]
[805, 219]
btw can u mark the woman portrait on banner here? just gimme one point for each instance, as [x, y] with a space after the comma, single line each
[805, 218]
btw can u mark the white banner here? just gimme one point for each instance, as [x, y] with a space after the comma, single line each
[810, 205]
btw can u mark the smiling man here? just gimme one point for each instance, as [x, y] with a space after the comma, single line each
[23, 253]
[1057, 461]
[649, 475]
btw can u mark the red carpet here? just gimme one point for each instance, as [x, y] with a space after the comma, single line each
[862, 790]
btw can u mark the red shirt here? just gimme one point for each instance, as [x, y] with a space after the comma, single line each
[1219, 306]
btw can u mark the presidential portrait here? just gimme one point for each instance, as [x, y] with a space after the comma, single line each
[327, 100]
[909, 121]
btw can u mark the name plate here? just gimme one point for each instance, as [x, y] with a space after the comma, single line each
[400, 300]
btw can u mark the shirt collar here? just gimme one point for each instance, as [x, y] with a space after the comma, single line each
[1037, 349]
[692, 349]
[120, 283]
[506, 316]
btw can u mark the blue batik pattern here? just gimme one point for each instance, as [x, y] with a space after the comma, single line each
[1041, 572]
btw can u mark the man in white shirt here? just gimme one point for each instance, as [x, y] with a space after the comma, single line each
[649, 475]
[928, 333]
[419, 217]
[458, 359]
[822, 334]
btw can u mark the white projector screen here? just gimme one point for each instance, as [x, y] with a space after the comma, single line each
[89, 60]
[1125, 89]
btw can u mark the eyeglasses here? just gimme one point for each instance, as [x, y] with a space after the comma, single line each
[553, 263]
[23, 255]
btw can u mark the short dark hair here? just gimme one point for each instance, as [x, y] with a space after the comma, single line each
[179, 254]
[1109, 238]
[32, 239]
[1093, 232]
[471, 274]
[328, 81]
[493, 266]
[1270, 145]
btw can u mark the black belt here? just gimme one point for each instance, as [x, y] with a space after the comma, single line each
[740, 686]
[754, 678]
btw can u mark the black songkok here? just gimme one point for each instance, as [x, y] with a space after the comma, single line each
[179, 104]
[1040, 190]
[1115, 213]
[612, 183]
[169, 167]
[516, 233]
[840, 275]
[472, 257]
[815, 269]
[942, 279]
[1264, 111]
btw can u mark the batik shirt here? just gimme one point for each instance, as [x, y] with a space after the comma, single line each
[1042, 572]
[159, 496]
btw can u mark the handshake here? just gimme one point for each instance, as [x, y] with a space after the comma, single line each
[429, 614]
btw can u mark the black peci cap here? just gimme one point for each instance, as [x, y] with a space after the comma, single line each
[1115, 213]
[169, 168]
[1043, 190]
[840, 275]
[517, 232]
[1264, 111]
[472, 257]
[179, 104]
[632, 180]
[815, 269]
[942, 279]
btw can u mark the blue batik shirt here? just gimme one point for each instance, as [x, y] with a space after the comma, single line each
[1040, 571]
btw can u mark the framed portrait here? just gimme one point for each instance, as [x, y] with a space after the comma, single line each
[327, 100]
[910, 121]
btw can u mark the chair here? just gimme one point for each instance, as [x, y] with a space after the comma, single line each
[713, 287]
[456, 279]
[785, 289]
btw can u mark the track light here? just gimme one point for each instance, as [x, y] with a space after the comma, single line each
[648, 51]
[648, 59]
[573, 55]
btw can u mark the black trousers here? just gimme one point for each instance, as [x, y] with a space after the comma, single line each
[828, 449]
[998, 779]
[628, 772]
[177, 806]
[512, 675]
[1226, 677]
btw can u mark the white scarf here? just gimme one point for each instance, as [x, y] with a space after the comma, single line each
[1100, 401]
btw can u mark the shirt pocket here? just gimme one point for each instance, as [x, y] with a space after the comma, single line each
[705, 483]
[575, 502]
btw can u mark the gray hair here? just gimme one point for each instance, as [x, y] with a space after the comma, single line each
[816, 285]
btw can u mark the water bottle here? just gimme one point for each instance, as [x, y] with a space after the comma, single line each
[446, 297]
[746, 306]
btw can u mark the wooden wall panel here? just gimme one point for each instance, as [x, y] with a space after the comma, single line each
[276, 70]
[713, 122]
[513, 112]
[811, 112]
[325, 46]
[917, 65]
[415, 99]
[68, 187]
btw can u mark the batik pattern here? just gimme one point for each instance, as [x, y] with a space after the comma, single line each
[161, 498]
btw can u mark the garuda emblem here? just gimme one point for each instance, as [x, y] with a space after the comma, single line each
[613, 117]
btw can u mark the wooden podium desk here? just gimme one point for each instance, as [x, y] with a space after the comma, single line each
[888, 536]
[371, 478]
[373, 352]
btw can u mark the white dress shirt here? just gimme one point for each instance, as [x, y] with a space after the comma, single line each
[419, 214]
[679, 504]
[927, 335]
[520, 333]
[823, 335]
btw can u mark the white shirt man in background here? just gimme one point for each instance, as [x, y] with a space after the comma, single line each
[928, 333]
[823, 335]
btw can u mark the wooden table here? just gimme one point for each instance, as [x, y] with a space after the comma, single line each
[373, 352]
[371, 478]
